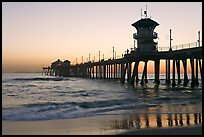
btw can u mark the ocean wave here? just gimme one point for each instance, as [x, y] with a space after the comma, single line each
[41, 79]
[60, 110]
[82, 93]
[94, 104]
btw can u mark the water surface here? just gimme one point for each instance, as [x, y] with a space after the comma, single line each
[31, 96]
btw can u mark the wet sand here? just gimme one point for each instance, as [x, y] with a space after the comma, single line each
[76, 126]
[99, 125]
[194, 130]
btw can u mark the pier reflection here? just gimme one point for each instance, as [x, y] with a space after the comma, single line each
[158, 120]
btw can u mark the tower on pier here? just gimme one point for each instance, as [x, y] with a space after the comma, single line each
[145, 35]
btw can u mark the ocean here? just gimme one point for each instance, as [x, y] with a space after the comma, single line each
[31, 97]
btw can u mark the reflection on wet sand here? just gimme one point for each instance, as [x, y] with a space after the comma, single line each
[110, 124]
[158, 120]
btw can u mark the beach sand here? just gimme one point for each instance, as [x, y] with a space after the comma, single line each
[194, 130]
[99, 125]
[75, 126]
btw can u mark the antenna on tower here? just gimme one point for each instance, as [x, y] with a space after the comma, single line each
[141, 13]
[145, 12]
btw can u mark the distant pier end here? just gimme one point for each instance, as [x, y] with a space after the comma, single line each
[58, 68]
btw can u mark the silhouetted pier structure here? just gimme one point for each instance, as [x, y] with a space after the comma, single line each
[57, 68]
[126, 67]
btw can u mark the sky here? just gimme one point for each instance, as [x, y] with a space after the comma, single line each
[35, 34]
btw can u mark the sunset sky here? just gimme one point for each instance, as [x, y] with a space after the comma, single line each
[36, 34]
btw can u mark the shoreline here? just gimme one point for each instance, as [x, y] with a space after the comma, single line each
[97, 125]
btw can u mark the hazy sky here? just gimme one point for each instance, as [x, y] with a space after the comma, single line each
[36, 34]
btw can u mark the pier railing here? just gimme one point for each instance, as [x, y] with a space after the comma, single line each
[160, 49]
[182, 46]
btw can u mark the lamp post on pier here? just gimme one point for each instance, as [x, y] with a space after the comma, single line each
[99, 56]
[76, 60]
[170, 40]
[82, 59]
[113, 52]
[198, 38]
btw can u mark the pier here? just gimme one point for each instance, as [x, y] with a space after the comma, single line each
[126, 68]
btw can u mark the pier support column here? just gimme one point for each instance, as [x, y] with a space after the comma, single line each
[157, 66]
[119, 70]
[173, 79]
[96, 71]
[129, 71]
[137, 77]
[135, 72]
[123, 70]
[144, 73]
[101, 71]
[114, 71]
[192, 72]
[104, 71]
[93, 72]
[50, 72]
[111, 71]
[196, 80]
[168, 71]
[87, 71]
[81, 71]
[99, 67]
[53, 72]
[84, 71]
[42, 71]
[74, 70]
[146, 81]
[109, 68]
[185, 72]
[201, 73]
[178, 70]
[77, 71]
[90, 71]
[47, 71]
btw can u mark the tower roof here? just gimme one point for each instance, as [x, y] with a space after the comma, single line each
[58, 61]
[145, 23]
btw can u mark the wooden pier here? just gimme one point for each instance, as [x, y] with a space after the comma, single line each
[121, 68]
[126, 67]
